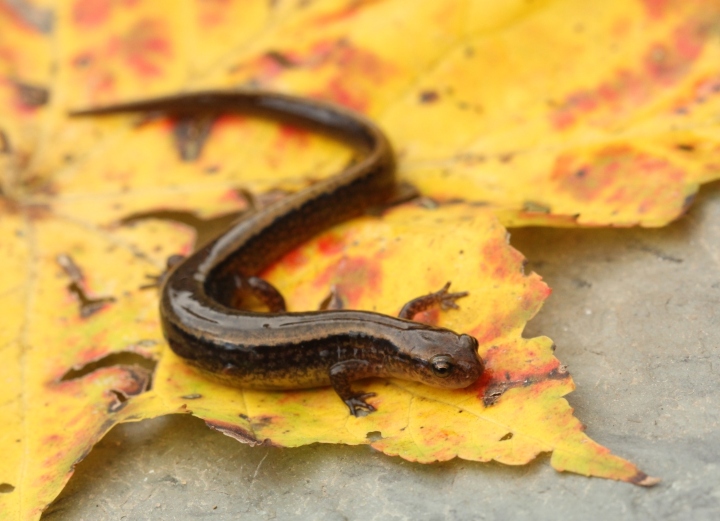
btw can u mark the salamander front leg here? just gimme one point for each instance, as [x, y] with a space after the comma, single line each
[440, 298]
[341, 374]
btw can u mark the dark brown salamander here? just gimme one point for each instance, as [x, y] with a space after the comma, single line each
[282, 350]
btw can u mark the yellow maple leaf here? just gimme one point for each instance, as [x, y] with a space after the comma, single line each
[550, 114]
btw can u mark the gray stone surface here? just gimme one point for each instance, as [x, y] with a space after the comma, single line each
[635, 316]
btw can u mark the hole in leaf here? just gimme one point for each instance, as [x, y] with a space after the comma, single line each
[121, 397]
[374, 436]
[6, 488]
[122, 359]
[508, 436]
[206, 229]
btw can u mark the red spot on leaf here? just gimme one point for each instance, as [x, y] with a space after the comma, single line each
[212, 12]
[689, 40]
[348, 12]
[292, 260]
[536, 293]
[340, 92]
[144, 50]
[655, 8]
[145, 47]
[330, 244]
[233, 196]
[263, 68]
[228, 122]
[8, 55]
[52, 439]
[291, 136]
[352, 70]
[295, 259]
[89, 13]
[353, 277]
[352, 65]
[501, 259]
[659, 64]
[91, 355]
[506, 368]
[607, 177]
[488, 332]
[664, 64]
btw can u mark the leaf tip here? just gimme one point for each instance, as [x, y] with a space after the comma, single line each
[644, 480]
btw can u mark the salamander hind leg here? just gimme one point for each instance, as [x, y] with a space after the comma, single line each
[341, 374]
[267, 294]
[440, 298]
[231, 292]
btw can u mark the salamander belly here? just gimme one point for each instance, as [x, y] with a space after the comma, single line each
[268, 378]
[268, 367]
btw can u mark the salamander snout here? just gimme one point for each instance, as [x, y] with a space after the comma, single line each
[447, 359]
[468, 342]
[469, 364]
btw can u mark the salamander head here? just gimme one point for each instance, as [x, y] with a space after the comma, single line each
[442, 358]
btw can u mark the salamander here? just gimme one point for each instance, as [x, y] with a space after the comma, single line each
[200, 311]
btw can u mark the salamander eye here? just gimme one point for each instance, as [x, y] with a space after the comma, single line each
[442, 365]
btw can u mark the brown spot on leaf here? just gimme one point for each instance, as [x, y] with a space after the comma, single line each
[32, 96]
[5, 147]
[88, 306]
[429, 96]
[283, 60]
